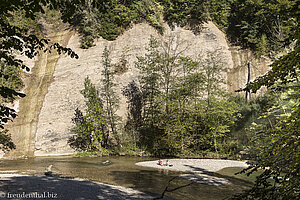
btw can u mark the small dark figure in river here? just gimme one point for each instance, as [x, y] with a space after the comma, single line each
[106, 162]
[48, 171]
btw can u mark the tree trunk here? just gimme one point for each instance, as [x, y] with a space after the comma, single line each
[248, 81]
[215, 143]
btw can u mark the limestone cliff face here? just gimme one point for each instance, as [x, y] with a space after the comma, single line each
[62, 95]
[23, 129]
[237, 76]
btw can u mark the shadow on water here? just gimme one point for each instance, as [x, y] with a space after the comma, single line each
[123, 171]
[147, 179]
[65, 189]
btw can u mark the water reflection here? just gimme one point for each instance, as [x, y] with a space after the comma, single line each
[163, 171]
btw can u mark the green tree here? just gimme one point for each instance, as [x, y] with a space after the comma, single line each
[249, 114]
[149, 81]
[159, 70]
[276, 149]
[135, 106]
[89, 131]
[219, 12]
[181, 13]
[184, 102]
[81, 140]
[220, 117]
[108, 19]
[11, 78]
[110, 98]
[181, 127]
[182, 118]
[279, 152]
[219, 110]
[88, 26]
[213, 69]
[256, 23]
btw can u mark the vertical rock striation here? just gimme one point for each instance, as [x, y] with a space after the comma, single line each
[238, 74]
[23, 129]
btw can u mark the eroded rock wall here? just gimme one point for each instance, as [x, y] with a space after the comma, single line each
[237, 76]
[53, 123]
[24, 127]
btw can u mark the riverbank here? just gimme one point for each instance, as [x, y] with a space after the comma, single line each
[194, 165]
[197, 170]
[18, 186]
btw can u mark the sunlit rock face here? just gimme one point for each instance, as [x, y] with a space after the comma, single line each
[63, 93]
[238, 75]
[23, 128]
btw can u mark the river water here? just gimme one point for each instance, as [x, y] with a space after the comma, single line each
[123, 171]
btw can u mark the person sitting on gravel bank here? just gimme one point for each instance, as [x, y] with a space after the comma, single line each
[167, 163]
[159, 162]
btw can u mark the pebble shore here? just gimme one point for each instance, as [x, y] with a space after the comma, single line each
[194, 165]
[196, 168]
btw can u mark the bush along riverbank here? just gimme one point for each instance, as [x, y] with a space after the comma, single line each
[141, 153]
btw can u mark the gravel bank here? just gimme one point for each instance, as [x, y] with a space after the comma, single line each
[196, 168]
[194, 165]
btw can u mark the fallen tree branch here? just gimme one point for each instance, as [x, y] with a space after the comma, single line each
[171, 190]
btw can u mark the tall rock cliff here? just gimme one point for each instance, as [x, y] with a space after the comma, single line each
[43, 125]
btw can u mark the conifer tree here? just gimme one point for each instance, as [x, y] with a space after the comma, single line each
[149, 82]
[89, 130]
[110, 98]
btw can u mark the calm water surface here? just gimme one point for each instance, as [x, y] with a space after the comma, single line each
[123, 171]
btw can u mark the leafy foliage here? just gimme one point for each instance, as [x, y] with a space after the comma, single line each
[184, 105]
[219, 12]
[93, 130]
[109, 19]
[279, 145]
[135, 106]
[89, 130]
[11, 78]
[181, 13]
[249, 115]
[261, 25]
[276, 146]
[16, 39]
